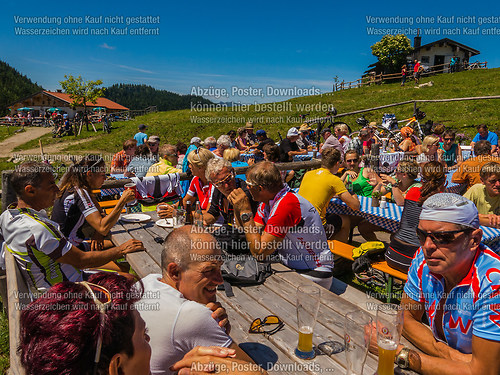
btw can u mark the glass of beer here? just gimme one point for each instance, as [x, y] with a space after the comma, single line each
[357, 336]
[308, 300]
[389, 327]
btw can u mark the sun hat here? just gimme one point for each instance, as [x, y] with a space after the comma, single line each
[304, 128]
[292, 132]
[154, 139]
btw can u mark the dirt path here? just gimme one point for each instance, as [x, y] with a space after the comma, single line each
[7, 145]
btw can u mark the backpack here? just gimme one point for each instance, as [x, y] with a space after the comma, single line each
[244, 270]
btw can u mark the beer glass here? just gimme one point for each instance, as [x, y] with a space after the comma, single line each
[357, 336]
[308, 299]
[389, 327]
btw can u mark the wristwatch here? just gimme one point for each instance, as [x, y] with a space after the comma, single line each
[403, 358]
[245, 217]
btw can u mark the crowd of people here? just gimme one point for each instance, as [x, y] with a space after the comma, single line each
[103, 328]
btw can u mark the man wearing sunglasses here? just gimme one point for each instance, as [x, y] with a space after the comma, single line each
[177, 305]
[455, 281]
[285, 222]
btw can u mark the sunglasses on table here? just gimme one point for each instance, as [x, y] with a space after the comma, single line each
[102, 298]
[440, 238]
[269, 325]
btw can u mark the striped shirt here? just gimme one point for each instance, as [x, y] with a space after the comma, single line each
[36, 243]
[70, 212]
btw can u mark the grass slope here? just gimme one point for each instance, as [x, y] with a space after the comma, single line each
[181, 125]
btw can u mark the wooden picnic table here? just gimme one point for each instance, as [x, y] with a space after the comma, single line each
[277, 296]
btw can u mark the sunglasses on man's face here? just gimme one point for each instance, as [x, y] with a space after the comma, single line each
[225, 180]
[440, 238]
[449, 139]
[269, 325]
[352, 161]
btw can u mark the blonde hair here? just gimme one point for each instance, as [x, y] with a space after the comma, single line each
[231, 154]
[200, 157]
[342, 127]
[429, 140]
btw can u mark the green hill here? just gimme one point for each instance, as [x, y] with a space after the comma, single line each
[181, 125]
[13, 86]
[142, 96]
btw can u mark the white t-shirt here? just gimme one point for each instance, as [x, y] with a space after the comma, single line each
[175, 324]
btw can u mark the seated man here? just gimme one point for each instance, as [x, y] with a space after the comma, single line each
[319, 186]
[285, 222]
[121, 159]
[486, 196]
[289, 147]
[330, 141]
[167, 163]
[44, 256]
[468, 171]
[220, 173]
[483, 134]
[454, 280]
[176, 304]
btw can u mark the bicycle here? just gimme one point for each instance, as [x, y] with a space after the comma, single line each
[381, 133]
[413, 122]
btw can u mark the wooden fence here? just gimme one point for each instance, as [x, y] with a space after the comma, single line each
[372, 79]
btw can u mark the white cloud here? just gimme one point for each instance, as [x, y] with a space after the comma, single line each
[107, 46]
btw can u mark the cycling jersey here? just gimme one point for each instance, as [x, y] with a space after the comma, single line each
[293, 218]
[470, 308]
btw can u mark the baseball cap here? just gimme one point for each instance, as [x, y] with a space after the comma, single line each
[450, 208]
[142, 127]
[196, 140]
[154, 139]
[292, 132]
[260, 132]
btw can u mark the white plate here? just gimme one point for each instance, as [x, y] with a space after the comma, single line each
[166, 223]
[135, 218]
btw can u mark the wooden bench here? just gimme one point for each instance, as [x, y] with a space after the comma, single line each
[18, 297]
[345, 251]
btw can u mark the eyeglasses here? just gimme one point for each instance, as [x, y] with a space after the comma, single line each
[225, 180]
[272, 322]
[105, 295]
[439, 238]
[352, 161]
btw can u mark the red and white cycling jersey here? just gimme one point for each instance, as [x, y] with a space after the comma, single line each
[293, 218]
[203, 192]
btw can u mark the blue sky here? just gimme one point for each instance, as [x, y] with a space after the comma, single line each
[224, 44]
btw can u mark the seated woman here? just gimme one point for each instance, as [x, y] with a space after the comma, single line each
[199, 188]
[94, 328]
[76, 205]
[342, 133]
[399, 185]
[242, 141]
[67, 340]
[409, 143]
[232, 155]
[404, 243]
[452, 154]
[429, 151]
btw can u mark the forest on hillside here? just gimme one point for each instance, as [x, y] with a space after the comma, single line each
[14, 86]
[141, 96]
